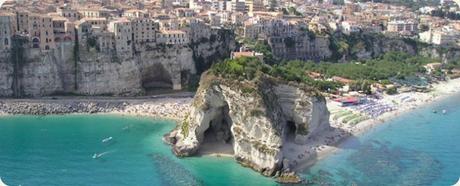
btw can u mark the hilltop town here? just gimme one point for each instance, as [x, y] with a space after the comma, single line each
[292, 29]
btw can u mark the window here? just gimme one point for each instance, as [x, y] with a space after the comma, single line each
[6, 42]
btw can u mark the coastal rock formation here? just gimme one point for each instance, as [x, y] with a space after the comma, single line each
[256, 118]
[80, 69]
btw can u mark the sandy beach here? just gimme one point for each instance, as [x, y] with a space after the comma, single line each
[301, 156]
[325, 144]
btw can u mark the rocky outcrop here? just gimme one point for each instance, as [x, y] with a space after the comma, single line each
[256, 117]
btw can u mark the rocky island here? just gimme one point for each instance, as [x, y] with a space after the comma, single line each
[241, 106]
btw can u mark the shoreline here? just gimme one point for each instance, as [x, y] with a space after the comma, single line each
[330, 141]
[158, 108]
[175, 108]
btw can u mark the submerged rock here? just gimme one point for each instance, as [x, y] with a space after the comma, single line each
[257, 117]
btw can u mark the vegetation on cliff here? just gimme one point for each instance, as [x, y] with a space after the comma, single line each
[251, 69]
[392, 65]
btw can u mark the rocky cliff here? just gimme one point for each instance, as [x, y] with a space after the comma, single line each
[86, 71]
[359, 46]
[257, 118]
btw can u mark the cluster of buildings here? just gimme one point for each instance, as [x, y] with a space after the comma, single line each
[107, 30]
[125, 26]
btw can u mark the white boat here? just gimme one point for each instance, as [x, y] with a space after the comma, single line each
[444, 111]
[95, 156]
[107, 139]
[1, 183]
[458, 183]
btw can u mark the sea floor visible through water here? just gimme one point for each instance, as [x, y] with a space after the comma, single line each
[417, 148]
[58, 150]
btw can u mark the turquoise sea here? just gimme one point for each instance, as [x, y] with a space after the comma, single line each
[418, 148]
[58, 150]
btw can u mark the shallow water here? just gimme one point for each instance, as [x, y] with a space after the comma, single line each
[58, 150]
[418, 148]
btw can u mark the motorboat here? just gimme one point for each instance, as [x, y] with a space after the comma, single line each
[105, 140]
[96, 156]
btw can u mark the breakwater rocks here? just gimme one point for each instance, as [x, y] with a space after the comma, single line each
[163, 108]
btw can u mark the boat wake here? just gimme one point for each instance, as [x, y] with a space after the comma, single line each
[99, 155]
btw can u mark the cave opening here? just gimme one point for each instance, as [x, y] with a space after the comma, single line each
[218, 137]
[156, 79]
[290, 130]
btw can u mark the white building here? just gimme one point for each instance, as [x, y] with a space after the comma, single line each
[350, 27]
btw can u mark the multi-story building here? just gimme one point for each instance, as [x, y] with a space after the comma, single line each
[254, 6]
[122, 29]
[7, 30]
[63, 30]
[173, 37]
[349, 27]
[236, 6]
[197, 29]
[404, 27]
[70, 14]
[96, 22]
[94, 12]
[134, 13]
[23, 21]
[445, 36]
[144, 30]
[41, 32]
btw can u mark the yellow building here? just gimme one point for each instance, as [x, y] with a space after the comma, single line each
[41, 32]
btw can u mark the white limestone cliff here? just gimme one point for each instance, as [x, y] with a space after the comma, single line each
[257, 119]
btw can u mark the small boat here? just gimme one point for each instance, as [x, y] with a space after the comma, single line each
[96, 156]
[2, 183]
[435, 111]
[444, 111]
[458, 183]
[107, 139]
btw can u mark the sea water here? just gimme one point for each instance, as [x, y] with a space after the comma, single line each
[58, 150]
[418, 148]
